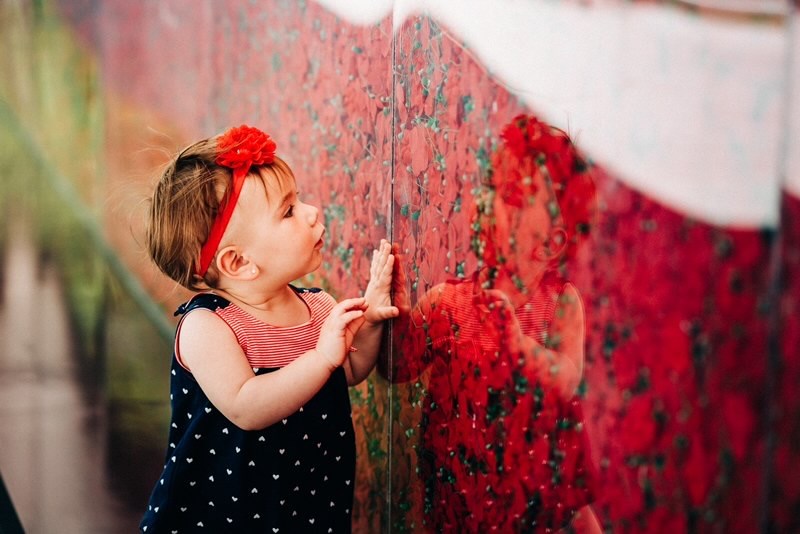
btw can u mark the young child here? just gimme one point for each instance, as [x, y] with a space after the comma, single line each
[501, 441]
[261, 438]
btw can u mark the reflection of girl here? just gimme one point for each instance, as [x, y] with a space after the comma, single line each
[532, 215]
[502, 443]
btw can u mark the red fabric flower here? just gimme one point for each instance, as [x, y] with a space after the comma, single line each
[245, 146]
[514, 137]
[527, 136]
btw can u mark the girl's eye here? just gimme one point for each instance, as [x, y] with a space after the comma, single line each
[289, 212]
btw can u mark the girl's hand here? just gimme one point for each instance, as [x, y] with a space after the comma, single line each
[339, 329]
[378, 293]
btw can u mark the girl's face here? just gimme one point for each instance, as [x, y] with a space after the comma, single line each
[281, 235]
[529, 228]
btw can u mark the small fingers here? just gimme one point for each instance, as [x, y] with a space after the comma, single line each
[351, 303]
[373, 267]
[343, 316]
[379, 257]
[382, 261]
[498, 296]
[348, 317]
[388, 267]
[346, 312]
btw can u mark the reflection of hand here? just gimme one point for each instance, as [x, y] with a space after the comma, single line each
[498, 298]
[558, 364]
[409, 338]
[502, 309]
[339, 329]
[378, 292]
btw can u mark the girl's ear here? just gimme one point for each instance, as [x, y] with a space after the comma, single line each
[554, 245]
[232, 263]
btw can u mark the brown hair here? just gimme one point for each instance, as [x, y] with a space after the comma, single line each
[184, 205]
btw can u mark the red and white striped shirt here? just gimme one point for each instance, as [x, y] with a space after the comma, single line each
[267, 346]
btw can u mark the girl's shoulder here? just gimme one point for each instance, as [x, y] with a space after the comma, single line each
[208, 301]
[198, 329]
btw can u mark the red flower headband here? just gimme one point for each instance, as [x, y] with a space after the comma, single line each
[533, 143]
[528, 135]
[240, 149]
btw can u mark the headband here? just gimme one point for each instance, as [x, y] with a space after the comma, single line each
[239, 149]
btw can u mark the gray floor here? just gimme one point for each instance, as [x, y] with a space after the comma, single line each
[52, 454]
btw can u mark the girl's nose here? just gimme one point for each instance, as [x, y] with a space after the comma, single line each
[313, 214]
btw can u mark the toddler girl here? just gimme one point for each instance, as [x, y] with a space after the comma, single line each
[261, 438]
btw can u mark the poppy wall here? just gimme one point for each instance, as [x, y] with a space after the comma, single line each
[668, 398]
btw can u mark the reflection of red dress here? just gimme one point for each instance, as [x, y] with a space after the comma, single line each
[498, 450]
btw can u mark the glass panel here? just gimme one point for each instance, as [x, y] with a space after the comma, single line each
[586, 325]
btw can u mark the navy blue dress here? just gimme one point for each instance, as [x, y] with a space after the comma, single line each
[294, 476]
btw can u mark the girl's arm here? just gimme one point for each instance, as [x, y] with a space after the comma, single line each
[209, 349]
[560, 362]
[378, 297]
